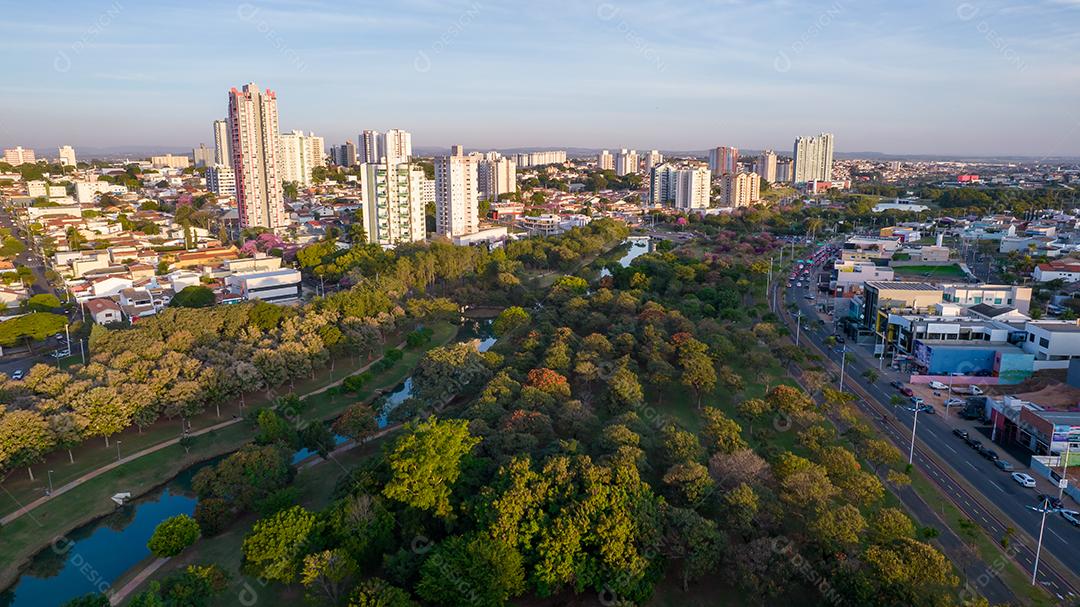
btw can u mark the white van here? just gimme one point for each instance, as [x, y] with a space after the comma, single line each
[936, 385]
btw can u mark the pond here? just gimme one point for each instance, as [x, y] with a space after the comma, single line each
[639, 245]
[92, 557]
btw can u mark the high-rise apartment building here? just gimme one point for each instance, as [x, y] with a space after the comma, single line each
[765, 165]
[204, 156]
[813, 158]
[170, 161]
[605, 161]
[784, 170]
[19, 155]
[626, 162]
[393, 209]
[397, 146]
[67, 156]
[344, 155]
[222, 139]
[456, 194]
[653, 159]
[299, 154]
[221, 180]
[496, 176]
[370, 149]
[723, 160]
[740, 189]
[682, 188]
[530, 159]
[253, 130]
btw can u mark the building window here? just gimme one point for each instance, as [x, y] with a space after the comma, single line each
[1044, 343]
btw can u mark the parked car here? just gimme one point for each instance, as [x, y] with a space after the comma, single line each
[810, 296]
[907, 391]
[17, 374]
[974, 443]
[955, 402]
[918, 402]
[936, 385]
[1004, 465]
[1054, 502]
[961, 433]
[926, 409]
[989, 454]
[1025, 480]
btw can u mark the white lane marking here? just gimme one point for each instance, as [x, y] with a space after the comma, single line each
[949, 447]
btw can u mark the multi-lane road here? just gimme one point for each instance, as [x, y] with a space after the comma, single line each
[987, 495]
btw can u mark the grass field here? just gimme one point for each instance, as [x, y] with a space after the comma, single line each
[949, 271]
[27, 534]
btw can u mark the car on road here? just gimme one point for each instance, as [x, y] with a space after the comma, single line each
[799, 284]
[918, 402]
[1073, 518]
[809, 296]
[989, 454]
[972, 442]
[1022, 479]
[896, 384]
[17, 374]
[1054, 502]
[907, 391]
[926, 409]
[1004, 465]
[960, 433]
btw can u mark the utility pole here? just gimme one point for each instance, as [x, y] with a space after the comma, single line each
[798, 327]
[1065, 471]
[843, 360]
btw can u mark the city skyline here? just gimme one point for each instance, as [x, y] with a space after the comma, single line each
[810, 67]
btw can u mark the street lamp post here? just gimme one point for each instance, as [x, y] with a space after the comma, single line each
[117, 450]
[50, 483]
[1038, 549]
[914, 424]
[843, 360]
[1065, 471]
[798, 327]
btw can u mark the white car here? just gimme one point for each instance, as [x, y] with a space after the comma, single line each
[1024, 479]
[18, 374]
[936, 385]
[955, 402]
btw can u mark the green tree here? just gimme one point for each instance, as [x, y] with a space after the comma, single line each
[24, 438]
[172, 535]
[275, 547]
[510, 320]
[357, 422]
[722, 434]
[96, 599]
[472, 571]
[374, 592]
[326, 574]
[194, 296]
[42, 302]
[30, 327]
[426, 462]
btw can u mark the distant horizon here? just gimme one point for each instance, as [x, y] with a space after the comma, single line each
[991, 79]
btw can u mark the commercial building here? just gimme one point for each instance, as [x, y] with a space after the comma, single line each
[871, 309]
[221, 180]
[299, 154]
[867, 248]
[605, 161]
[204, 156]
[170, 161]
[67, 156]
[393, 211]
[848, 276]
[740, 189]
[496, 176]
[765, 165]
[626, 162]
[222, 140]
[19, 155]
[456, 195]
[813, 158]
[723, 160]
[253, 126]
[683, 188]
[1015, 296]
[1053, 343]
[278, 285]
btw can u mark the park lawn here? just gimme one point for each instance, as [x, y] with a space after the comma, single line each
[91, 454]
[316, 486]
[23, 537]
[949, 271]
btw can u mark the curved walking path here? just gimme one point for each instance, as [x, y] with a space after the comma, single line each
[158, 447]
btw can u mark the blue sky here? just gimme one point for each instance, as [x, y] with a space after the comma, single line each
[948, 77]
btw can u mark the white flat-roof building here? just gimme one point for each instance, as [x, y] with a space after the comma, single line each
[275, 285]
